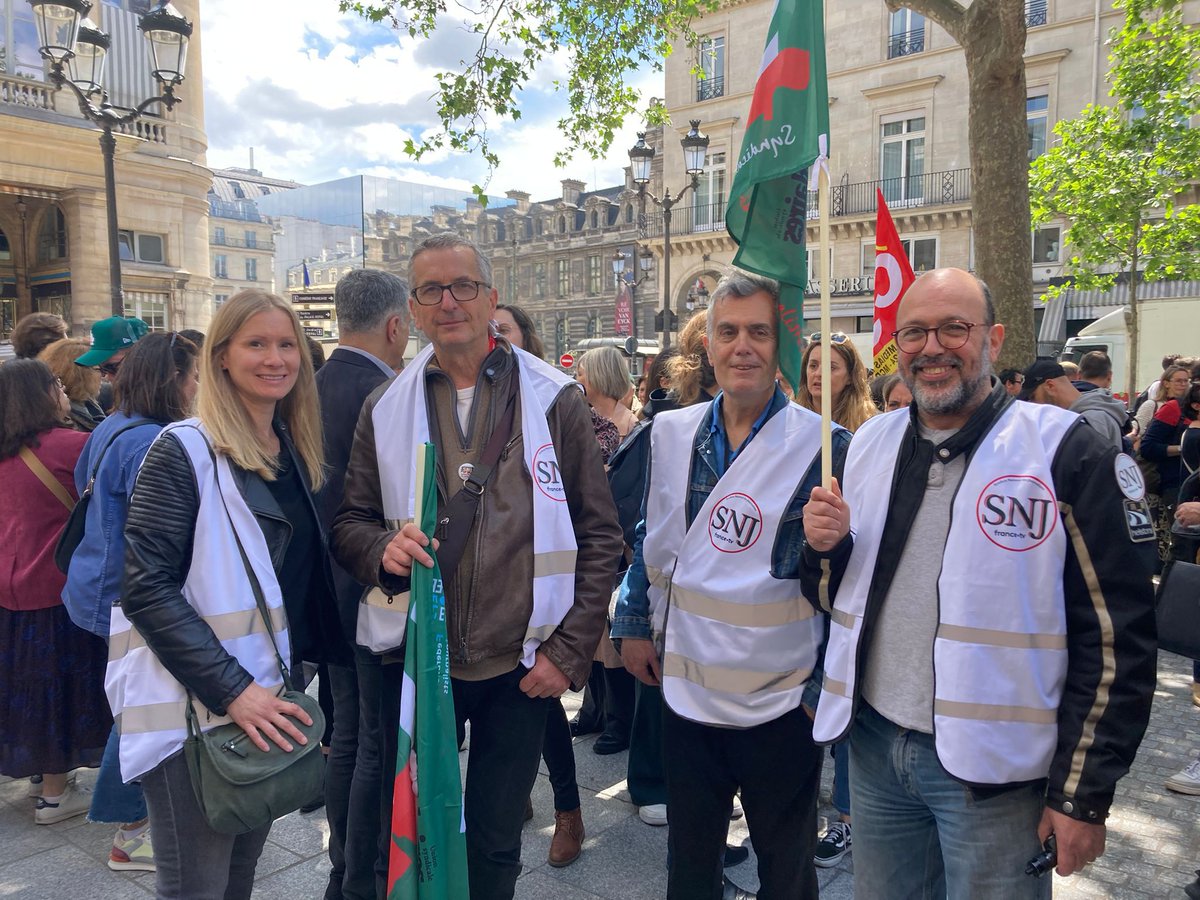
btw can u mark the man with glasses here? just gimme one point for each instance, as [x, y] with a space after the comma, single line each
[1013, 380]
[526, 602]
[992, 649]
[112, 339]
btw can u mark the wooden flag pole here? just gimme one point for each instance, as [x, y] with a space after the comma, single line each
[826, 277]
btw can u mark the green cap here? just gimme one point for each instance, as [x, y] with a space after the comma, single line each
[110, 336]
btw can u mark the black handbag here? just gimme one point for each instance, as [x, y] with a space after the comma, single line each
[239, 787]
[1177, 608]
[72, 533]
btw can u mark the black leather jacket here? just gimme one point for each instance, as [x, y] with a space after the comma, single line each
[158, 540]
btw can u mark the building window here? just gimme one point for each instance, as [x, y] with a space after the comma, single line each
[1035, 13]
[595, 282]
[711, 83]
[19, 42]
[563, 272]
[906, 34]
[629, 214]
[562, 224]
[219, 235]
[902, 160]
[52, 236]
[922, 253]
[138, 247]
[1037, 114]
[236, 187]
[1047, 243]
[538, 227]
[252, 270]
[149, 306]
[251, 239]
[539, 280]
[220, 266]
[5, 249]
[709, 212]
[218, 300]
[595, 219]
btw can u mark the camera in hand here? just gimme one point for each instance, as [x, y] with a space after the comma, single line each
[1045, 861]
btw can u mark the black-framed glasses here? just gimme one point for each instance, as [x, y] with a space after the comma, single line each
[950, 335]
[109, 368]
[835, 337]
[462, 291]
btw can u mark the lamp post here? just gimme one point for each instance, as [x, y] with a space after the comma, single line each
[77, 50]
[697, 297]
[645, 263]
[641, 156]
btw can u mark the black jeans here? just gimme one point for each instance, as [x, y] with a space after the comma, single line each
[339, 773]
[644, 774]
[559, 753]
[507, 730]
[778, 768]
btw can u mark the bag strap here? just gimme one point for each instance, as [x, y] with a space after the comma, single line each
[454, 524]
[112, 440]
[38, 468]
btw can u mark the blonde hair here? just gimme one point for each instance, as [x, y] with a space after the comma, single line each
[81, 383]
[224, 414]
[606, 372]
[691, 369]
[854, 406]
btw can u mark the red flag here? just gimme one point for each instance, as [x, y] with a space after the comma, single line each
[893, 275]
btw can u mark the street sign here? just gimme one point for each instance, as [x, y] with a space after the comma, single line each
[566, 360]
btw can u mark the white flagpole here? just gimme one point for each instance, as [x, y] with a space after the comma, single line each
[826, 277]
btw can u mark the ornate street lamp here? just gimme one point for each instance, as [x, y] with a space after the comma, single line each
[641, 156]
[697, 297]
[77, 50]
[645, 263]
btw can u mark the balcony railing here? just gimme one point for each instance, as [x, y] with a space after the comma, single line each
[26, 93]
[1035, 13]
[906, 43]
[926, 191]
[710, 88]
[258, 244]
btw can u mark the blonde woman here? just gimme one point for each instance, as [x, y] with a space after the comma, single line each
[81, 383]
[223, 501]
[604, 375]
[691, 374]
[848, 381]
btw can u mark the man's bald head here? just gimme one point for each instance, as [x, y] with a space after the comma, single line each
[958, 282]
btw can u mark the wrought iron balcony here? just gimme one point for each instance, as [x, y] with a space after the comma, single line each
[906, 43]
[710, 88]
[1035, 13]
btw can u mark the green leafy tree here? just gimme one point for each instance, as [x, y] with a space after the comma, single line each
[1124, 175]
[603, 41]
[992, 36]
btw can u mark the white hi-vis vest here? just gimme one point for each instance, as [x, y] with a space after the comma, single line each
[738, 644]
[147, 702]
[1000, 651]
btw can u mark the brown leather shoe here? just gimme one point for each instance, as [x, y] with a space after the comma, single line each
[568, 838]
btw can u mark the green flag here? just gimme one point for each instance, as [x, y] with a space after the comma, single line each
[787, 130]
[428, 859]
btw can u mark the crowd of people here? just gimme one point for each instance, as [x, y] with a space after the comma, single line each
[964, 616]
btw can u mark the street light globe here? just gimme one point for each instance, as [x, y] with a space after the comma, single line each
[640, 157]
[695, 149]
[646, 259]
[58, 26]
[618, 263]
[167, 32]
[85, 69]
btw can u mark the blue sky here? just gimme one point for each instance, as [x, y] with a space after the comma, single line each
[320, 95]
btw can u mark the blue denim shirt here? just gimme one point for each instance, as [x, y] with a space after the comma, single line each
[94, 577]
[710, 457]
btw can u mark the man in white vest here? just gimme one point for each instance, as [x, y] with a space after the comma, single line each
[526, 602]
[735, 642]
[992, 648]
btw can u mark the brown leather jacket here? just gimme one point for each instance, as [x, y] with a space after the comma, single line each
[491, 597]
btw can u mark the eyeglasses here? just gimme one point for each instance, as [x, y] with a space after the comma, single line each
[462, 291]
[835, 337]
[1016, 379]
[951, 336]
[109, 368]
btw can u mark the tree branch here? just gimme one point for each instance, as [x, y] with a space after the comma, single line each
[950, 14]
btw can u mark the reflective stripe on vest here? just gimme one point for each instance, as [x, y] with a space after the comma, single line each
[999, 654]
[739, 644]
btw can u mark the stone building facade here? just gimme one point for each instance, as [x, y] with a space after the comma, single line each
[241, 238]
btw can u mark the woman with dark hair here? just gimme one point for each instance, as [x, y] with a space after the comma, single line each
[81, 383]
[513, 320]
[156, 385]
[52, 711]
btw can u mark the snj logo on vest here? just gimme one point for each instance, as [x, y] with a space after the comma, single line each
[547, 475]
[735, 524]
[1017, 512]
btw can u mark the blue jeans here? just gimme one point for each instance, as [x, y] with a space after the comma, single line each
[919, 833]
[112, 799]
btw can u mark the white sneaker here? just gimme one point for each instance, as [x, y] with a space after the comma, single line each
[737, 808]
[35, 785]
[655, 814]
[75, 801]
[1187, 781]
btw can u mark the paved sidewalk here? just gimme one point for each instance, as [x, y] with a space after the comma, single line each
[1153, 835]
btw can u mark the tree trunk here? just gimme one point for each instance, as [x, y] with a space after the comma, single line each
[992, 35]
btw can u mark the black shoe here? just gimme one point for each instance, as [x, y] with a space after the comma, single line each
[609, 743]
[735, 856]
[730, 891]
[581, 726]
[313, 805]
[1193, 889]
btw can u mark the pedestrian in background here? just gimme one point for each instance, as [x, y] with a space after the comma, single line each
[81, 384]
[156, 385]
[35, 332]
[53, 716]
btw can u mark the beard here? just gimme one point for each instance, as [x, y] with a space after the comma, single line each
[944, 401]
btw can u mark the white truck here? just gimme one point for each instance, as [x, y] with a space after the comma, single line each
[1165, 325]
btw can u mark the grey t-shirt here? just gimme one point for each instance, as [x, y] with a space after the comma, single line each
[898, 680]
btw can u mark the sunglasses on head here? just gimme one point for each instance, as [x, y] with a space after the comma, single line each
[835, 337]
